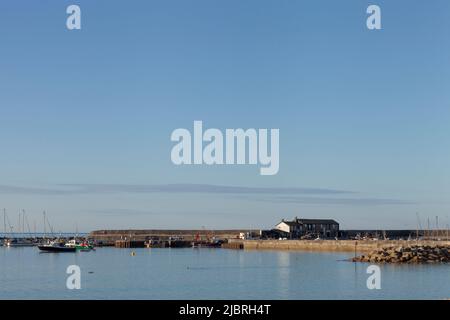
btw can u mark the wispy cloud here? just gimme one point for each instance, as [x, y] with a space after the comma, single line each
[319, 196]
[4, 189]
[183, 212]
[121, 212]
[334, 201]
[195, 188]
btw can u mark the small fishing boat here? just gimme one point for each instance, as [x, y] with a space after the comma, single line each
[56, 246]
[19, 242]
[86, 247]
[80, 246]
[156, 243]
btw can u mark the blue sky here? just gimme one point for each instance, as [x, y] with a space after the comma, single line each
[86, 116]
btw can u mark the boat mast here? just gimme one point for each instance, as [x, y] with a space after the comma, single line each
[23, 222]
[419, 225]
[4, 223]
[9, 223]
[45, 228]
[25, 218]
[437, 226]
[49, 225]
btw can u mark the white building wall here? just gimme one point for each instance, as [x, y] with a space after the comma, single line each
[283, 227]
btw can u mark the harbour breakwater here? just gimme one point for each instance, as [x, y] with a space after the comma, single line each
[110, 237]
[231, 239]
[334, 245]
[409, 254]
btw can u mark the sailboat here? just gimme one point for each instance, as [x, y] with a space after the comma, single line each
[16, 241]
[57, 245]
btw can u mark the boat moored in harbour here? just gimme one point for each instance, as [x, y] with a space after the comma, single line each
[84, 246]
[56, 246]
[19, 242]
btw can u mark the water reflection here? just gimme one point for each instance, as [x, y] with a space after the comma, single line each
[283, 273]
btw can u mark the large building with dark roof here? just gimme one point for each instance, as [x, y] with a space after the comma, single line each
[298, 228]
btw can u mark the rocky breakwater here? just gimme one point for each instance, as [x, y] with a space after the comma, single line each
[408, 254]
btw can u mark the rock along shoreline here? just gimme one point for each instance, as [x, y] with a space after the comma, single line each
[407, 254]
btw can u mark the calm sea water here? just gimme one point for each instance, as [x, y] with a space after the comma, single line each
[110, 273]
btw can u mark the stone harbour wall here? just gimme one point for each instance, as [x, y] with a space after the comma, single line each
[334, 245]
